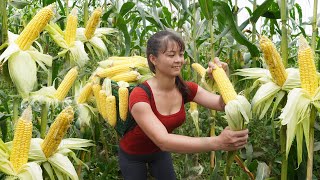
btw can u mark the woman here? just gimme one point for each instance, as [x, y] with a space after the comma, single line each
[150, 142]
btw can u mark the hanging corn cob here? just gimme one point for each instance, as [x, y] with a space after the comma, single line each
[57, 131]
[300, 110]
[93, 23]
[103, 104]
[22, 58]
[66, 84]
[123, 94]
[71, 28]
[130, 76]
[111, 104]
[85, 93]
[21, 140]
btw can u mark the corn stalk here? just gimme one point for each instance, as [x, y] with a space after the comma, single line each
[4, 27]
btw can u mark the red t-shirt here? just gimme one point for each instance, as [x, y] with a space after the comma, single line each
[136, 141]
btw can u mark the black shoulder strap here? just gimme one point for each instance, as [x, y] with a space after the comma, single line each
[146, 89]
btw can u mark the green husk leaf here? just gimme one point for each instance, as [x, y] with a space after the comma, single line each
[30, 170]
[63, 164]
[299, 139]
[78, 55]
[47, 167]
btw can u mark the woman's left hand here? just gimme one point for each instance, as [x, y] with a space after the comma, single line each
[217, 62]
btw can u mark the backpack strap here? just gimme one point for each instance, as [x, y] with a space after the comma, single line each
[146, 89]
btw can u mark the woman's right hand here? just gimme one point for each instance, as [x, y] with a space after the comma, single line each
[230, 140]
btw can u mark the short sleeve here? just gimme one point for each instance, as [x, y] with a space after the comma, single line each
[193, 88]
[138, 95]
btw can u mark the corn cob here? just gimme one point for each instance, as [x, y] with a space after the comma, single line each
[111, 110]
[112, 71]
[22, 140]
[93, 23]
[199, 69]
[85, 93]
[57, 131]
[71, 28]
[307, 68]
[34, 28]
[123, 93]
[66, 84]
[226, 88]
[96, 91]
[130, 76]
[103, 104]
[273, 60]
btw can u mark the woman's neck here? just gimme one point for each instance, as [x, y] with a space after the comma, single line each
[163, 83]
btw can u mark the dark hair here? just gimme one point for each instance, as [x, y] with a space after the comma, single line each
[159, 43]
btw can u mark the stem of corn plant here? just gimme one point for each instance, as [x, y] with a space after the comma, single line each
[254, 34]
[85, 12]
[314, 25]
[311, 143]
[284, 33]
[284, 162]
[67, 7]
[212, 134]
[4, 28]
[44, 120]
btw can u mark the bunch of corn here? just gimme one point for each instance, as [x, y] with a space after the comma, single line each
[21, 140]
[66, 84]
[71, 28]
[123, 93]
[111, 110]
[273, 60]
[93, 23]
[57, 131]
[300, 110]
[33, 29]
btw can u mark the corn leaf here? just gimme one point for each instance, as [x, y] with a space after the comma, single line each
[30, 170]
[293, 79]
[64, 165]
[78, 55]
[47, 167]
[6, 166]
[299, 139]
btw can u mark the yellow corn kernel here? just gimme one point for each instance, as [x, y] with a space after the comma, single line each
[273, 60]
[93, 23]
[32, 31]
[130, 76]
[21, 140]
[96, 90]
[123, 94]
[71, 28]
[66, 84]
[193, 106]
[199, 69]
[111, 110]
[307, 67]
[85, 93]
[103, 104]
[226, 88]
[112, 71]
[57, 131]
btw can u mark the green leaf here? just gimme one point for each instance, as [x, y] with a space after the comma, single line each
[18, 3]
[126, 7]
[206, 7]
[63, 164]
[121, 24]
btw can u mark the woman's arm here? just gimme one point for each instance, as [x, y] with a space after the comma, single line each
[156, 131]
[209, 100]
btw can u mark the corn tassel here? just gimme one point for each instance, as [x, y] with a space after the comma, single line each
[32, 31]
[199, 69]
[103, 104]
[66, 84]
[226, 88]
[93, 23]
[71, 28]
[111, 110]
[123, 94]
[85, 93]
[130, 76]
[307, 68]
[273, 60]
[22, 140]
[57, 131]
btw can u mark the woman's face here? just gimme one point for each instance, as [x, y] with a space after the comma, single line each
[171, 61]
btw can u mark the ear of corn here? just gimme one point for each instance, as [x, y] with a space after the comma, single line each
[66, 84]
[71, 28]
[273, 60]
[111, 110]
[199, 69]
[112, 71]
[93, 23]
[85, 93]
[57, 131]
[130, 76]
[103, 104]
[96, 91]
[22, 140]
[123, 93]
[307, 67]
[226, 88]
[34, 28]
